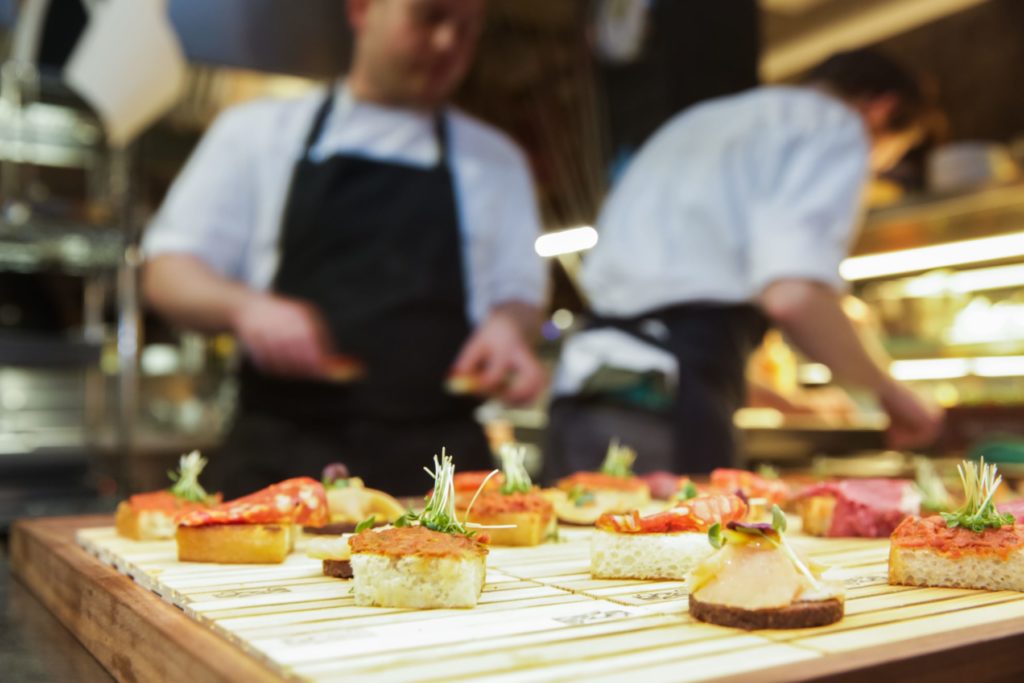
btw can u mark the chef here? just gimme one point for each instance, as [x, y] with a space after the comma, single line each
[733, 216]
[368, 223]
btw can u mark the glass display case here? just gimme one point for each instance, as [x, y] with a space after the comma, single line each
[943, 279]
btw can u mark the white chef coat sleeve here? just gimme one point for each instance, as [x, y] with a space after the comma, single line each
[806, 203]
[515, 272]
[210, 210]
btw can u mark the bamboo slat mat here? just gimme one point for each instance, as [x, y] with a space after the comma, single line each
[540, 618]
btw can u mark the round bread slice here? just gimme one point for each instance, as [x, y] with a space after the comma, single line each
[339, 569]
[802, 614]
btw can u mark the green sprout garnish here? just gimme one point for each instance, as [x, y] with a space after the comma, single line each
[618, 461]
[715, 536]
[517, 479]
[768, 472]
[929, 484]
[439, 512]
[778, 519]
[366, 524]
[580, 496]
[186, 478]
[978, 512]
[688, 492]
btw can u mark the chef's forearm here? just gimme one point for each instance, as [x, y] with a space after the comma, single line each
[527, 317]
[186, 291]
[811, 317]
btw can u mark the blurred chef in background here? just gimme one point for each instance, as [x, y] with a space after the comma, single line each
[733, 216]
[371, 229]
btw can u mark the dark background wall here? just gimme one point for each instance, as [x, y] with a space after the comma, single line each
[695, 50]
[975, 59]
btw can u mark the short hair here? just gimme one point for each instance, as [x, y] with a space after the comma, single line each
[867, 73]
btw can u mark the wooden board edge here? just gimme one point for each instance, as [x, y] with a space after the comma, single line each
[130, 631]
[989, 653]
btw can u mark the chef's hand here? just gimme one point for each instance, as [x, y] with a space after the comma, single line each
[283, 336]
[912, 422]
[501, 361]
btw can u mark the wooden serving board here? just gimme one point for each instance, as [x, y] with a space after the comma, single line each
[541, 618]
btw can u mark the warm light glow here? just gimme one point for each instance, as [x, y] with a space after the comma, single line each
[563, 318]
[999, 366]
[936, 256]
[932, 368]
[566, 241]
[814, 373]
[952, 368]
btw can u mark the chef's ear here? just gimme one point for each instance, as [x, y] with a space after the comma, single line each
[357, 11]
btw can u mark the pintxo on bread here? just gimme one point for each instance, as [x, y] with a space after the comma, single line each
[154, 516]
[755, 580]
[427, 560]
[582, 497]
[975, 546]
[255, 529]
[866, 508]
[515, 512]
[666, 545]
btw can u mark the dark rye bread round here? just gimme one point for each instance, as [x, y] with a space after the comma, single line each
[339, 569]
[797, 615]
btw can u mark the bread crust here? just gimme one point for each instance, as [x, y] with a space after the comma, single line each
[816, 514]
[801, 614]
[236, 543]
[531, 528]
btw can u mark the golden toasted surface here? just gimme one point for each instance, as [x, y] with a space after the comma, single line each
[489, 504]
[415, 540]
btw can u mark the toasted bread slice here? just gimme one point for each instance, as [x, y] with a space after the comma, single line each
[530, 515]
[928, 552]
[236, 543]
[646, 556]
[816, 514]
[414, 567]
[529, 528]
[929, 567]
[339, 569]
[143, 525]
[801, 614]
[570, 511]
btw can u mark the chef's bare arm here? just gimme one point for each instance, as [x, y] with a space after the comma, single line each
[190, 294]
[281, 335]
[811, 316]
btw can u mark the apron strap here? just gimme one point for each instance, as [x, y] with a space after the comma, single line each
[441, 130]
[711, 343]
[322, 113]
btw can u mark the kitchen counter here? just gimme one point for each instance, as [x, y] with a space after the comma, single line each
[34, 646]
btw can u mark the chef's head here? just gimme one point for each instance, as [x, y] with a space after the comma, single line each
[887, 97]
[412, 52]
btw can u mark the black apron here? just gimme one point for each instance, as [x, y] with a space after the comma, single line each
[375, 246]
[711, 344]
